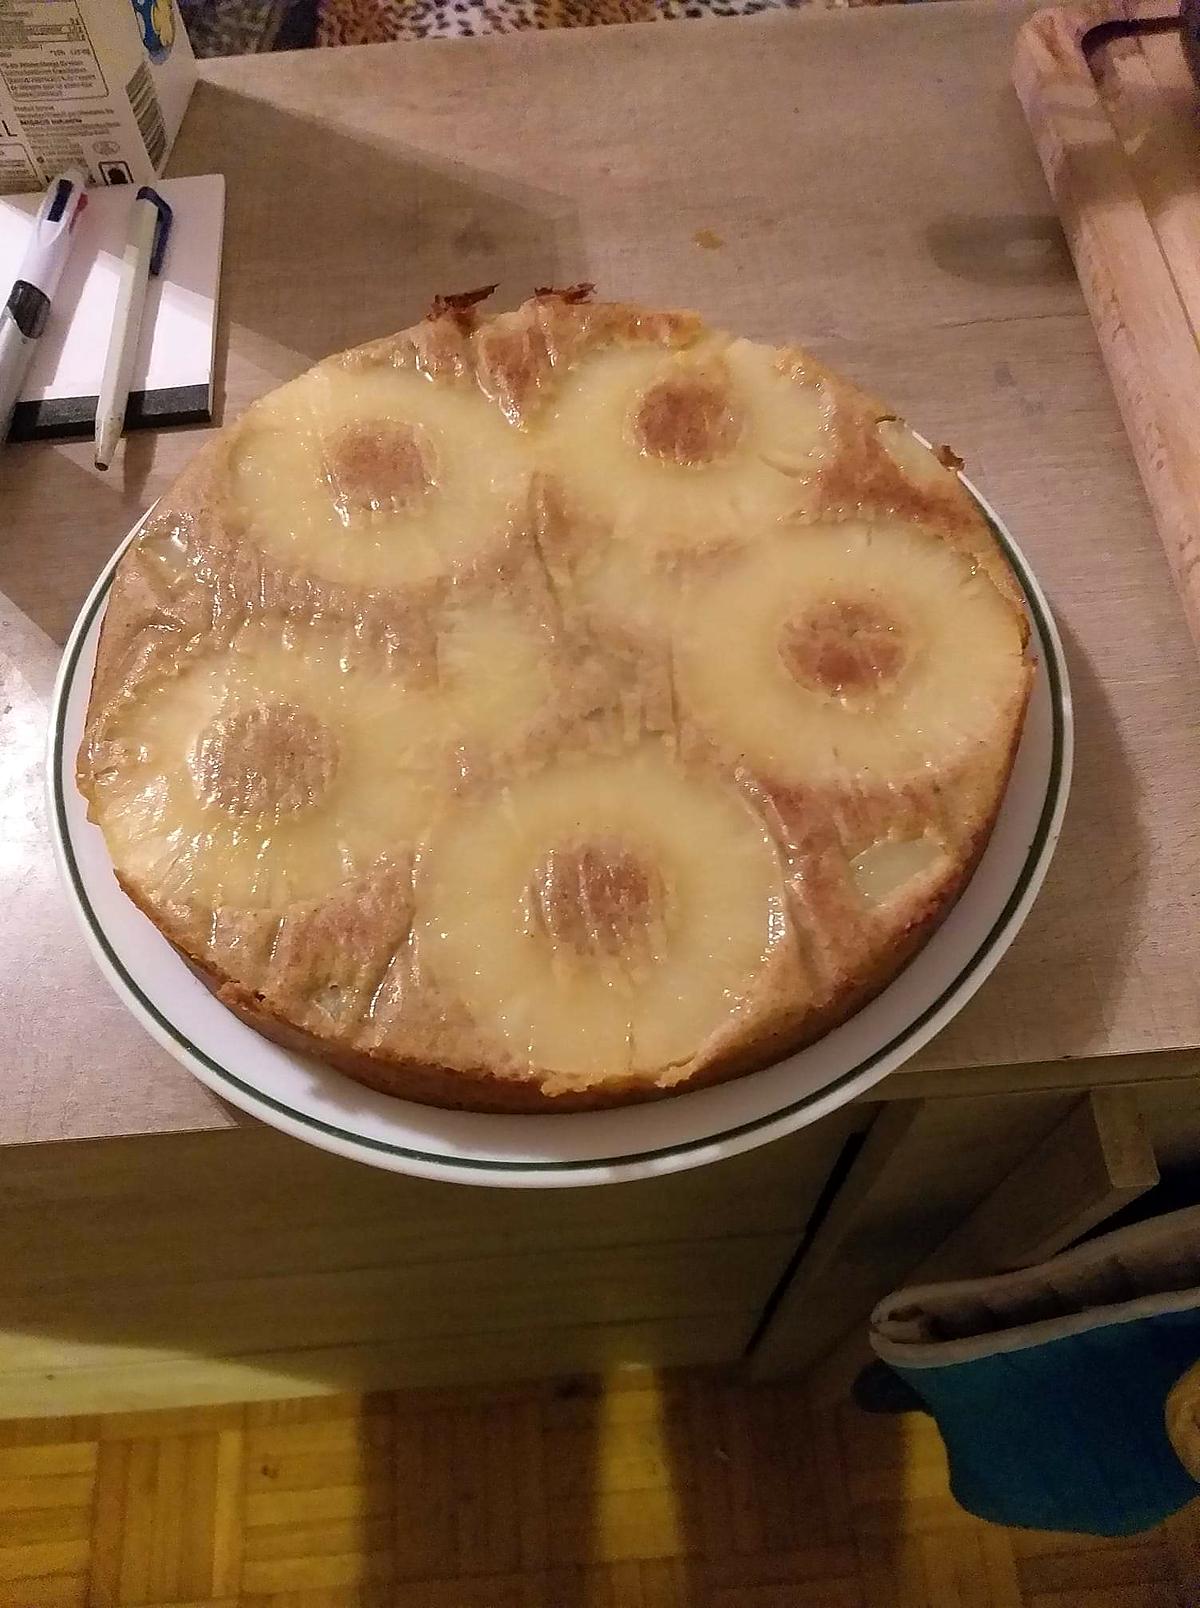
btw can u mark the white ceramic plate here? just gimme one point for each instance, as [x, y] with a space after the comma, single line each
[313, 1102]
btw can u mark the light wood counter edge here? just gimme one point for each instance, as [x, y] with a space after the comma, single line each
[1156, 1069]
[1041, 1077]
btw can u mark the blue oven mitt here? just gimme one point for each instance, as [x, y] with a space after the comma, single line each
[1049, 1385]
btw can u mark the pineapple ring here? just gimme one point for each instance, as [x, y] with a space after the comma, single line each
[686, 449]
[373, 477]
[875, 651]
[606, 914]
[273, 771]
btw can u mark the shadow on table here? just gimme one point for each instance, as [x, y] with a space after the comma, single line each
[340, 239]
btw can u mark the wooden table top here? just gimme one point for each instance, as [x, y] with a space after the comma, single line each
[860, 181]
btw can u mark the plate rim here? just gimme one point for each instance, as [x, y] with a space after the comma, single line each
[662, 1159]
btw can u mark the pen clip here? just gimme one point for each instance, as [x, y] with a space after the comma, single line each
[161, 229]
[64, 201]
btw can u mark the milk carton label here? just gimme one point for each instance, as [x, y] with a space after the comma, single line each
[98, 84]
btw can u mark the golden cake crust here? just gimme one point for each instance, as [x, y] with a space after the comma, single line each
[397, 713]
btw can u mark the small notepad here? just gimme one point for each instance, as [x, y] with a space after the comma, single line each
[173, 373]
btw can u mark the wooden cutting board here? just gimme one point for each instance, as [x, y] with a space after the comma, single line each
[1116, 119]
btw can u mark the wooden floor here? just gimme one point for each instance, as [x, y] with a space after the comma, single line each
[654, 1493]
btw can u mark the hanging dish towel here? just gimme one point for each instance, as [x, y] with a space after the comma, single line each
[1049, 1385]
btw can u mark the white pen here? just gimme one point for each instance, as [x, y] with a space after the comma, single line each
[24, 315]
[149, 225]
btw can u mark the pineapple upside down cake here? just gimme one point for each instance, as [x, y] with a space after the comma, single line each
[557, 708]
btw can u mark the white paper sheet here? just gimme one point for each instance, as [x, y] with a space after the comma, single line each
[176, 349]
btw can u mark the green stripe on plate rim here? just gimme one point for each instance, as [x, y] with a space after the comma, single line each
[468, 1163]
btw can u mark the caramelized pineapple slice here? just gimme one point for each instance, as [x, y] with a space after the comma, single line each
[686, 449]
[377, 477]
[873, 652]
[603, 916]
[279, 768]
[273, 771]
[893, 866]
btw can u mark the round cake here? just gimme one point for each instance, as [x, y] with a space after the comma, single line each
[555, 709]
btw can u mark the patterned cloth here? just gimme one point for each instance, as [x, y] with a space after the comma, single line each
[237, 27]
[243, 27]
